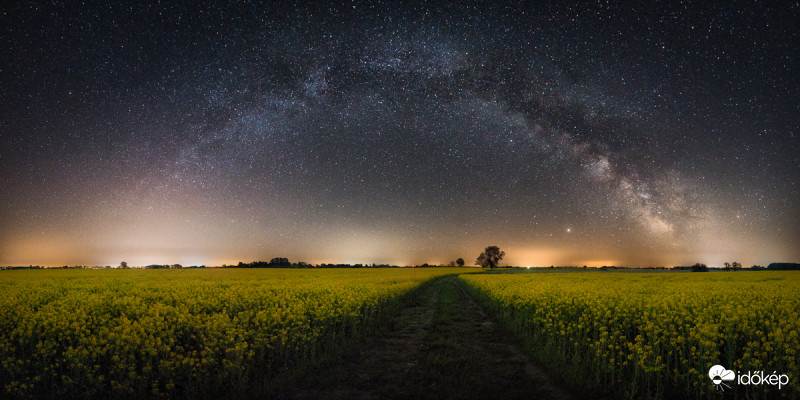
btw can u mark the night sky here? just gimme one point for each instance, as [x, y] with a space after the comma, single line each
[388, 133]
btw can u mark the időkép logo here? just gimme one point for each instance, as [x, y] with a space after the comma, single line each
[721, 376]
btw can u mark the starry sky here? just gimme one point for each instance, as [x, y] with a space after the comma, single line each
[389, 132]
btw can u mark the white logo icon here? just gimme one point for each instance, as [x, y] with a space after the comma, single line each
[719, 375]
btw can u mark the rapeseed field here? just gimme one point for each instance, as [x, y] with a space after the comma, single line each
[208, 333]
[655, 335]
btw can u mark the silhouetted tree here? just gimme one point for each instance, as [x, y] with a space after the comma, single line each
[460, 262]
[490, 257]
[699, 268]
[734, 266]
[280, 262]
[123, 265]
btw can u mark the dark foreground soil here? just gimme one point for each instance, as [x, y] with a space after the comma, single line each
[442, 345]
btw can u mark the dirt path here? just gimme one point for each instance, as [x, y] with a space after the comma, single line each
[441, 346]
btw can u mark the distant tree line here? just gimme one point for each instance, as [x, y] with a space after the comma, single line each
[784, 266]
[165, 266]
[277, 262]
[14, 267]
[282, 262]
[736, 266]
[488, 259]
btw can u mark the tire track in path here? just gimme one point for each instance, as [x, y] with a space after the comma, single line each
[442, 345]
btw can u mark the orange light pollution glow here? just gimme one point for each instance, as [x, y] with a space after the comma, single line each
[196, 237]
